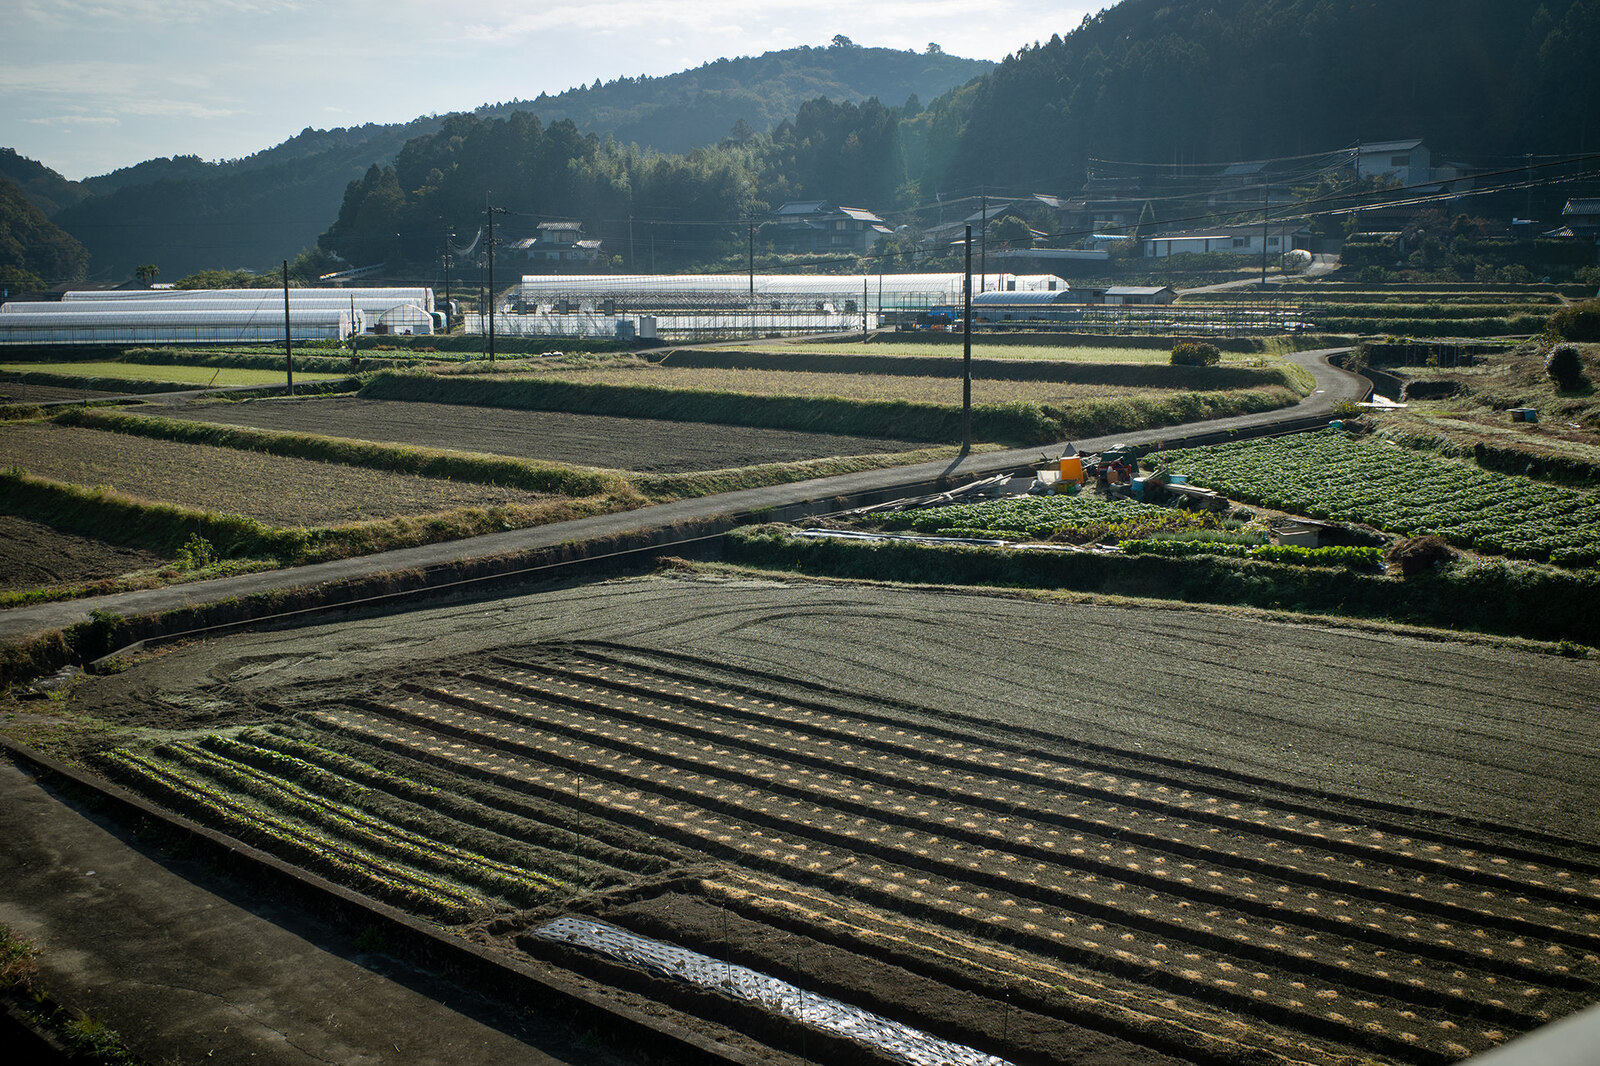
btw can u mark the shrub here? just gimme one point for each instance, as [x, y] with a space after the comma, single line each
[1195, 353]
[1564, 364]
[1578, 322]
[1413, 555]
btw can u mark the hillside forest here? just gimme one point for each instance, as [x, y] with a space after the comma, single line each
[1165, 85]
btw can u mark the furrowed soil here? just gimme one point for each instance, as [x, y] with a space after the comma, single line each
[1053, 832]
[22, 392]
[33, 555]
[638, 444]
[275, 490]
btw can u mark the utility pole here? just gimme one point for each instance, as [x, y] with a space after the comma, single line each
[983, 247]
[489, 251]
[288, 344]
[1266, 210]
[750, 260]
[449, 241]
[966, 353]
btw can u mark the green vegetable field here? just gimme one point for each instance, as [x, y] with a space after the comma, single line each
[1335, 476]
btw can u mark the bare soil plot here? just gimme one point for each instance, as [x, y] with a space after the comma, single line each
[278, 491]
[645, 445]
[930, 805]
[33, 554]
[22, 392]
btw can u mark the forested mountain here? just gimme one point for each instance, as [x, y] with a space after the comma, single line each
[186, 214]
[43, 187]
[698, 107]
[1164, 81]
[33, 251]
[1157, 82]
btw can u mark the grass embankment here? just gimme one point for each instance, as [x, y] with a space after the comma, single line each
[156, 377]
[1510, 599]
[166, 528]
[1017, 423]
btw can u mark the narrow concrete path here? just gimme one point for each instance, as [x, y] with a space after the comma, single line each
[1333, 385]
[186, 974]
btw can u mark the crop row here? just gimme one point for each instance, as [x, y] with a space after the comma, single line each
[1354, 558]
[253, 823]
[1078, 519]
[1173, 905]
[1336, 476]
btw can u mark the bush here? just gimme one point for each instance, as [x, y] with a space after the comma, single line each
[1414, 555]
[1195, 353]
[1564, 364]
[1579, 322]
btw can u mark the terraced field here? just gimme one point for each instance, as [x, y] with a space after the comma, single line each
[1036, 898]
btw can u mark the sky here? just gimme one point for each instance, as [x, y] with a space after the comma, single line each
[87, 86]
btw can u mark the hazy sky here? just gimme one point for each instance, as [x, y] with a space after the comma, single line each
[87, 86]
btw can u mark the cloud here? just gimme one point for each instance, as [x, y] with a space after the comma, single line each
[73, 120]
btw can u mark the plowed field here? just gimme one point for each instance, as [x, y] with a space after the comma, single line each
[641, 444]
[961, 849]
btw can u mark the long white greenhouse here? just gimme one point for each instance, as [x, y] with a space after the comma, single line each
[800, 292]
[379, 316]
[705, 306]
[365, 298]
[160, 325]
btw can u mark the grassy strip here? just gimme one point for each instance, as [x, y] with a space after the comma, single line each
[1019, 424]
[551, 478]
[1506, 598]
[163, 527]
[318, 385]
[141, 579]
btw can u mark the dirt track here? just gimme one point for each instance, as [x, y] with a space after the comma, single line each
[640, 444]
[1033, 827]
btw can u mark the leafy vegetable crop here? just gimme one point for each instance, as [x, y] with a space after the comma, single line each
[1335, 476]
[1077, 519]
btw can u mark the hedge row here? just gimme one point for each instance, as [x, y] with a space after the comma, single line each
[1495, 597]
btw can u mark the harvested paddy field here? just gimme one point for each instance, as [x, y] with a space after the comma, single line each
[272, 489]
[942, 390]
[638, 444]
[33, 554]
[1051, 832]
[26, 392]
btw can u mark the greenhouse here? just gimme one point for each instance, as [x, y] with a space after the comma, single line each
[367, 299]
[709, 306]
[878, 293]
[380, 316]
[160, 325]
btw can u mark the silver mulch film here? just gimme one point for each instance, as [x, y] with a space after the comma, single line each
[819, 1012]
